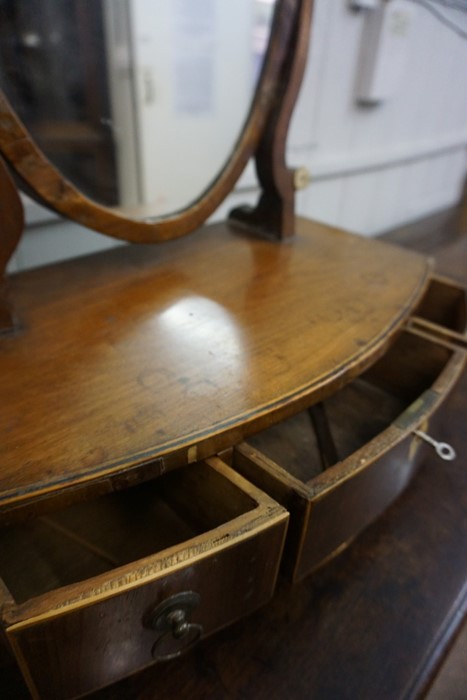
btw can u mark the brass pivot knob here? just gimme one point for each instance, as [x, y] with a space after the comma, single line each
[171, 620]
[301, 178]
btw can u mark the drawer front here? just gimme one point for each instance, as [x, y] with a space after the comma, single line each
[330, 509]
[80, 635]
[322, 525]
[64, 655]
[336, 518]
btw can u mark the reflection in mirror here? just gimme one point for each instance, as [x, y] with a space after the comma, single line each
[138, 102]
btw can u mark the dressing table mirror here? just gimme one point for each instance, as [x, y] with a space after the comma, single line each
[146, 496]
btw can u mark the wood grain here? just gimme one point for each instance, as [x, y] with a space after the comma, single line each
[85, 647]
[375, 622]
[226, 547]
[372, 421]
[167, 331]
[11, 229]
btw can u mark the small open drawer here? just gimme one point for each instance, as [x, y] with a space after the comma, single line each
[100, 589]
[337, 466]
[442, 312]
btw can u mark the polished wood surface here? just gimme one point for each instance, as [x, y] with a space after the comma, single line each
[77, 574]
[375, 622]
[11, 228]
[376, 614]
[181, 359]
[372, 421]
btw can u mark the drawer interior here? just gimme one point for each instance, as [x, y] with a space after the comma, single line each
[89, 538]
[444, 303]
[357, 413]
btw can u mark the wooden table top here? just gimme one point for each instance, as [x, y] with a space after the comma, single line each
[165, 354]
[373, 623]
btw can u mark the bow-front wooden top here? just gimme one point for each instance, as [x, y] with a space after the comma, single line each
[138, 360]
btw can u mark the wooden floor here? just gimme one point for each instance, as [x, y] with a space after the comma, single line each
[380, 618]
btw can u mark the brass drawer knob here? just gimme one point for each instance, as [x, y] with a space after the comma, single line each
[171, 620]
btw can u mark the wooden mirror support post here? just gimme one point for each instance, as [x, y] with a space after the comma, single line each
[11, 228]
[274, 214]
[263, 136]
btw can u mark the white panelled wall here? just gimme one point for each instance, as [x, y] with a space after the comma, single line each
[372, 167]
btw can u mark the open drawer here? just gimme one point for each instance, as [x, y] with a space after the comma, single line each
[100, 589]
[442, 312]
[361, 453]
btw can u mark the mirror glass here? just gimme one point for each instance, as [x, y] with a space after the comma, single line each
[138, 102]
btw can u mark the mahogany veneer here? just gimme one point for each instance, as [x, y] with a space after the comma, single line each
[188, 349]
[181, 361]
[371, 424]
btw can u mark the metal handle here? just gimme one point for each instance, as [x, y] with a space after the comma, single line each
[170, 618]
